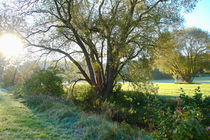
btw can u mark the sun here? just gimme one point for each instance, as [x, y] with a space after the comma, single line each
[10, 45]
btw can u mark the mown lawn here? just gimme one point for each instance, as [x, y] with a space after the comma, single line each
[171, 89]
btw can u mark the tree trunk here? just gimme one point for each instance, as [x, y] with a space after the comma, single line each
[108, 90]
[187, 79]
[104, 89]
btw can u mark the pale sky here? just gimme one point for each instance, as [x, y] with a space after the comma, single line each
[200, 16]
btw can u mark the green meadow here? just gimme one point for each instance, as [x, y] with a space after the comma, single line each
[169, 88]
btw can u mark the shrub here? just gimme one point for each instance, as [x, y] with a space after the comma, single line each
[180, 125]
[131, 107]
[44, 82]
[189, 120]
[117, 87]
[197, 102]
[84, 96]
[134, 108]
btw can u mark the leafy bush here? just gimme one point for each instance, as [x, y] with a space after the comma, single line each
[131, 107]
[135, 108]
[84, 96]
[44, 82]
[198, 102]
[117, 87]
[146, 88]
[189, 120]
[180, 125]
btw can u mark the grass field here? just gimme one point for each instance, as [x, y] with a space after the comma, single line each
[171, 89]
[168, 88]
[18, 122]
[51, 119]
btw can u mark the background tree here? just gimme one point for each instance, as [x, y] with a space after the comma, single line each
[15, 75]
[105, 34]
[183, 53]
[206, 69]
[26, 69]
[137, 71]
[2, 64]
[9, 76]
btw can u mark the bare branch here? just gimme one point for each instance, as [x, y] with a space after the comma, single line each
[44, 31]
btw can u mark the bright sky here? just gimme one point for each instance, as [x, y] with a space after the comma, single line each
[10, 45]
[200, 16]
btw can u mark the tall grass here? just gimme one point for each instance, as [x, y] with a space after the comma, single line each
[78, 124]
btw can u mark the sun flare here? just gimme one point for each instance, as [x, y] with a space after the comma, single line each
[10, 45]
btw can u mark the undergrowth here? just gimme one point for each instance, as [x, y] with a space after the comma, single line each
[78, 124]
[171, 118]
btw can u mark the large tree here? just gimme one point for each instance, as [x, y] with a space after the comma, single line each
[105, 34]
[183, 53]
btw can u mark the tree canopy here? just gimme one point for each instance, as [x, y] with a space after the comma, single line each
[183, 53]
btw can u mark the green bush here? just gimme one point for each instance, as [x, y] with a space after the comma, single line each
[44, 82]
[189, 120]
[131, 107]
[84, 96]
[198, 102]
[135, 108]
[181, 124]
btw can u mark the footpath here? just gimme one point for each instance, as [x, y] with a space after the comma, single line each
[19, 122]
